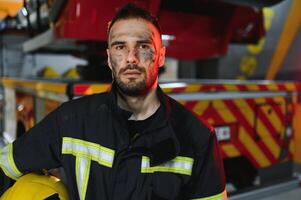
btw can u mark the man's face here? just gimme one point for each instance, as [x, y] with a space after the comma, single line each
[134, 55]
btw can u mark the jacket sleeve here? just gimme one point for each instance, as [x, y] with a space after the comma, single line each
[208, 180]
[5, 182]
[38, 149]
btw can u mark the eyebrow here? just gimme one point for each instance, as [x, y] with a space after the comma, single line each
[123, 42]
[144, 41]
[117, 43]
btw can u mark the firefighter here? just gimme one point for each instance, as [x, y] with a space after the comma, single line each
[132, 142]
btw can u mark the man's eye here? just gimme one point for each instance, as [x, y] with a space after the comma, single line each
[144, 46]
[119, 47]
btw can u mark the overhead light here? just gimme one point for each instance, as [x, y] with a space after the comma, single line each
[167, 37]
[173, 85]
[24, 11]
[20, 107]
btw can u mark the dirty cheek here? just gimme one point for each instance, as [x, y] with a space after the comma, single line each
[147, 56]
[115, 59]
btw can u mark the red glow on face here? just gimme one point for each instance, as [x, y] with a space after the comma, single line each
[134, 50]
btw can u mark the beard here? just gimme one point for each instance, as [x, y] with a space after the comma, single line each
[133, 87]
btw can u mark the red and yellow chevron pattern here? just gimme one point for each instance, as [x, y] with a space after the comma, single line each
[257, 124]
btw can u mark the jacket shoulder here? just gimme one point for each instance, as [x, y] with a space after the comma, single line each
[83, 105]
[190, 128]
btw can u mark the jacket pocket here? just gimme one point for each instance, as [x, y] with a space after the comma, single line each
[165, 186]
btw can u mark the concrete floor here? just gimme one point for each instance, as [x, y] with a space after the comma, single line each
[286, 190]
[289, 195]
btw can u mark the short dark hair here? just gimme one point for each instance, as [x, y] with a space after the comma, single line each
[132, 11]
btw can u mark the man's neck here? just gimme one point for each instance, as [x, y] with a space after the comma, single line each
[142, 106]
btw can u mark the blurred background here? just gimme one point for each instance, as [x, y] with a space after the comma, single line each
[235, 63]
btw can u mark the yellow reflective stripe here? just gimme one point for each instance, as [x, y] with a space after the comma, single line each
[93, 151]
[12, 162]
[7, 162]
[90, 144]
[3, 164]
[179, 165]
[82, 170]
[220, 196]
[87, 155]
[84, 152]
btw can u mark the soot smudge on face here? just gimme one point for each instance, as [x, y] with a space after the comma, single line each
[148, 55]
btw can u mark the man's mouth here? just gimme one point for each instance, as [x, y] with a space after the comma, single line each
[132, 73]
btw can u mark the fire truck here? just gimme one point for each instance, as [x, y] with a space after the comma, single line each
[254, 121]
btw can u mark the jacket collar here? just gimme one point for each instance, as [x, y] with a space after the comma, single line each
[163, 144]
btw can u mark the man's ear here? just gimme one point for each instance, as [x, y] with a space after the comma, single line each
[162, 57]
[109, 60]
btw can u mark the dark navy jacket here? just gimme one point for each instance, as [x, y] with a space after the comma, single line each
[176, 158]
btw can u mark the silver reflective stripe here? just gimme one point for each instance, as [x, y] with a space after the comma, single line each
[225, 95]
[93, 151]
[7, 163]
[179, 165]
[82, 175]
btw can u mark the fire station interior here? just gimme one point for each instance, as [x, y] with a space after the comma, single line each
[235, 64]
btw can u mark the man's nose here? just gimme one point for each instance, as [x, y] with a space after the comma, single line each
[132, 56]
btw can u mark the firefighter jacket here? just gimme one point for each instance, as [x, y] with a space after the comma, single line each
[177, 157]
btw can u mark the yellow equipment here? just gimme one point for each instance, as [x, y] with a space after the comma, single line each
[36, 187]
